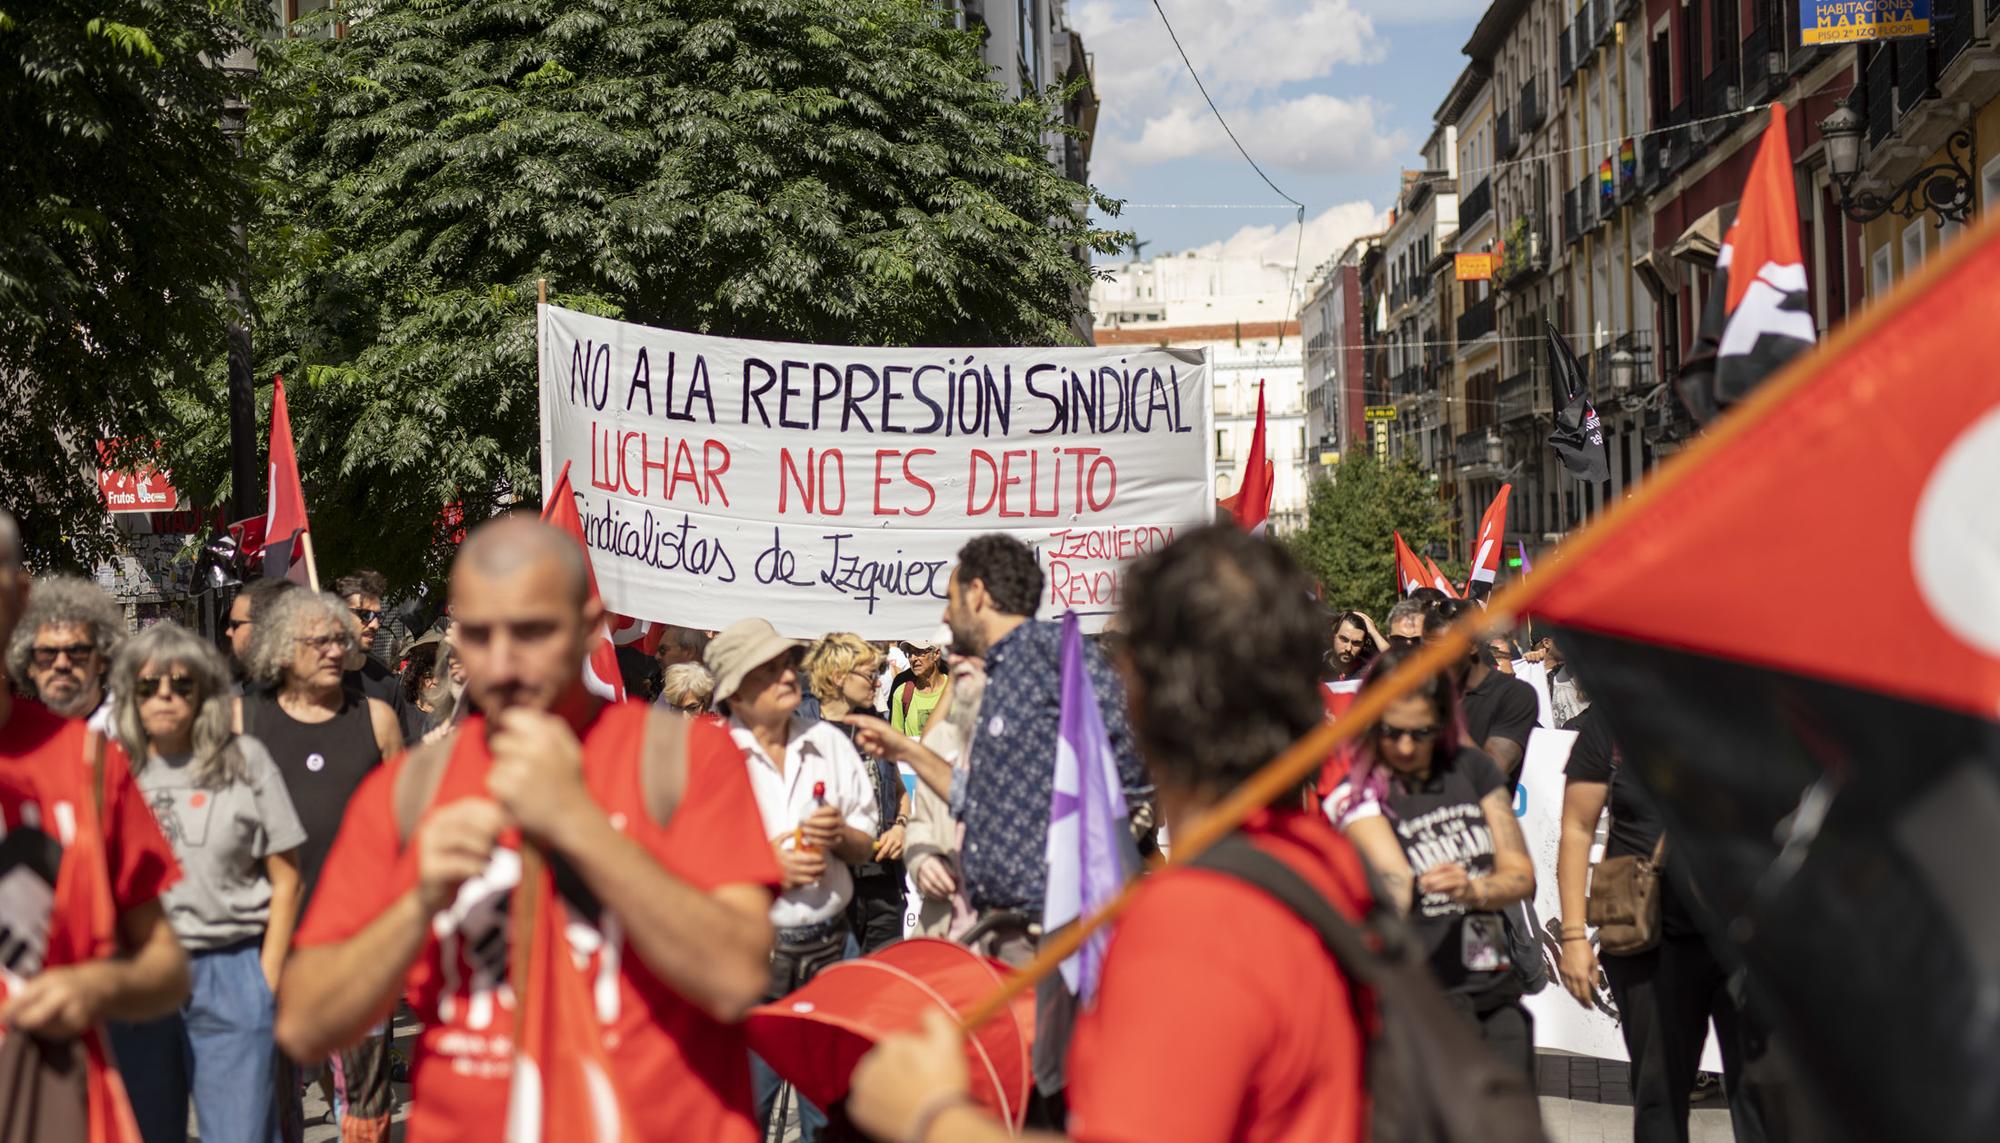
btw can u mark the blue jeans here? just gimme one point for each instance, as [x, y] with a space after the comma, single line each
[217, 1047]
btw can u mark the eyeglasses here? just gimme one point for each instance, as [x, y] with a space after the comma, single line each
[182, 685]
[229, 626]
[366, 615]
[1389, 733]
[74, 652]
[323, 643]
[691, 706]
[1405, 642]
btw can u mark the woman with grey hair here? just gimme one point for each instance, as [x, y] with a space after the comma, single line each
[62, 647]
[219, 799]
[325, 738]
[688, 688]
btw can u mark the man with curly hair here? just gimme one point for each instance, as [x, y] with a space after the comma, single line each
[62, 648]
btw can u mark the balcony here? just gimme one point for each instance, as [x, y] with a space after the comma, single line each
[1519, 397]
[1473, 454]
[1526, 253]
[1571, 228]
[1953, 21]
[1566, 54]
[1476, 322]
[1503, 136]
[1757, 49]
[1601, 22]
[1532, 113]
[1586, 36]
[1474, 205]
[1914, 79]
[1586, 205]
[1878, 75]
[1719, 94]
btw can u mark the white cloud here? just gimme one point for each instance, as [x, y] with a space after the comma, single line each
[1316, 133]
[1254, 56]
[1327, 234]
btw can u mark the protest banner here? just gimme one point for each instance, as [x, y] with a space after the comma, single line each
[829, 488]
[1560, 1022]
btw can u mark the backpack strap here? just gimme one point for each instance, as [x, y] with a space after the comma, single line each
[417, 782]
[908, 692]
[1235, 856]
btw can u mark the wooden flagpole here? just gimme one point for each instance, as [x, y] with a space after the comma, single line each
[312, 565]
[1307, 754]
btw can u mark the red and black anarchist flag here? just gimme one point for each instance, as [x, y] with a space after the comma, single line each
[1411, 573]
[1758, 315]
[1487, 546]
[1579, 436]
[1826, 749]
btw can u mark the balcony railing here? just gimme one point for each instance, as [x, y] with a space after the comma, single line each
[1518, 397]
[1601, 22]
[1526, 252]
[1953, 21]
[1503, 136]
[1566, 54]
[1586, 36]
[1470, 450]
[1586, 204]
[1720, 93]
[1878, 73]
[1572, 230]
[1756, 63]
[1476, 322]
[1474, 205]
[1914, 81]
[1532, 112]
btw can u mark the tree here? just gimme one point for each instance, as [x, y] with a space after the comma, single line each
[1351, 516]
[115, 239]
[837, 171]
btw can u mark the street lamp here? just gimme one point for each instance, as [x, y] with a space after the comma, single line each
[1943, 189]
[1623, 367]
[244, 472]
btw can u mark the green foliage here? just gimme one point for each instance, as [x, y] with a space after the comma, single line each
[1351, 516]
[837, 171]
[115, 241]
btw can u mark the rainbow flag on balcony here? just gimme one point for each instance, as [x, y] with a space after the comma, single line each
[1607, 183]
[1628, 160]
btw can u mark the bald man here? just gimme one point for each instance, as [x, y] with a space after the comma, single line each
[659, 854]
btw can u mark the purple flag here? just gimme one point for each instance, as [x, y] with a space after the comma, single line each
[1522, 547]
[1090, 850]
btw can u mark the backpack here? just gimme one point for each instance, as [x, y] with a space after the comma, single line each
[1430, 1078]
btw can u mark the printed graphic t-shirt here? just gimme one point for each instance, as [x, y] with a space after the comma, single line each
[1440, 821]
[681, 1074]
[44, 775]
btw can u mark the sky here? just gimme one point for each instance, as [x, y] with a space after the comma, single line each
[1331, 97]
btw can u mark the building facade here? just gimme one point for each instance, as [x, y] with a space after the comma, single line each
[1238, 309]
[1336, 341]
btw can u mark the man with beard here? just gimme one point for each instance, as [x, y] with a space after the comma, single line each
[62, 649]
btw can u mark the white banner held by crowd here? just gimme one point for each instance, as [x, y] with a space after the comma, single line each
[829, 488]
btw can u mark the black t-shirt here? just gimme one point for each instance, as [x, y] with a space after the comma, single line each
[1501, 706]
[322, 763]
[373, 680]
[1438, 822]
[1635, 820]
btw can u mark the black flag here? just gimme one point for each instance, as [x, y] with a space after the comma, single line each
[1579, 438]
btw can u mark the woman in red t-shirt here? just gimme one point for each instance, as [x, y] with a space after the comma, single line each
[1218, 1015]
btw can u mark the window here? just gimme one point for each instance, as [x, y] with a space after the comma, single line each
[1989, 185]
[1880, 273]
[1913, 246]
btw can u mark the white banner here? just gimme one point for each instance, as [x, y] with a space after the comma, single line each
[829, 488]
[1560, 1022]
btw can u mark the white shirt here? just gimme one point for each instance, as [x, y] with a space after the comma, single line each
[814, 752]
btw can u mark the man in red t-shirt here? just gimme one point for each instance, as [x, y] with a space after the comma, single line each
[648, 821]
[58, 977]
[1219, 1015]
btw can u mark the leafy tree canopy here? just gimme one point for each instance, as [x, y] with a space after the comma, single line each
[115, 242]
[1347, 542]
[838, 171]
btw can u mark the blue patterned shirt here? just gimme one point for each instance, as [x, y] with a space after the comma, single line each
[1006, 803]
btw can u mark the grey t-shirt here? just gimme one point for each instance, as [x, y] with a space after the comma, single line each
[221, 837]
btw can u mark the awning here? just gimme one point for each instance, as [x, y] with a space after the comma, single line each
[1702, 241]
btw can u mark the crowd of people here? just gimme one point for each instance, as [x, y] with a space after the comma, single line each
[257, 851]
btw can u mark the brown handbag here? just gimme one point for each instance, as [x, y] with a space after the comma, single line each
[1624, 903]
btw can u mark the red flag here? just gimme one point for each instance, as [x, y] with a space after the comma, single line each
[600, 671]
[1759, 314]
[1252, 503]
[1487, 546]
[1411, 573]
[1828, 803]
[285, 525]
[561, 1083]
[1438, 579]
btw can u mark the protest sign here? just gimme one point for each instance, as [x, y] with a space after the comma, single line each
[1560, 1022]
[829, 488]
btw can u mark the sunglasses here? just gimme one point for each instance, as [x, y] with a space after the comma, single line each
[74, 652]
[1389, 733]
[1405, 642]
[366, 615]
[182, 685]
